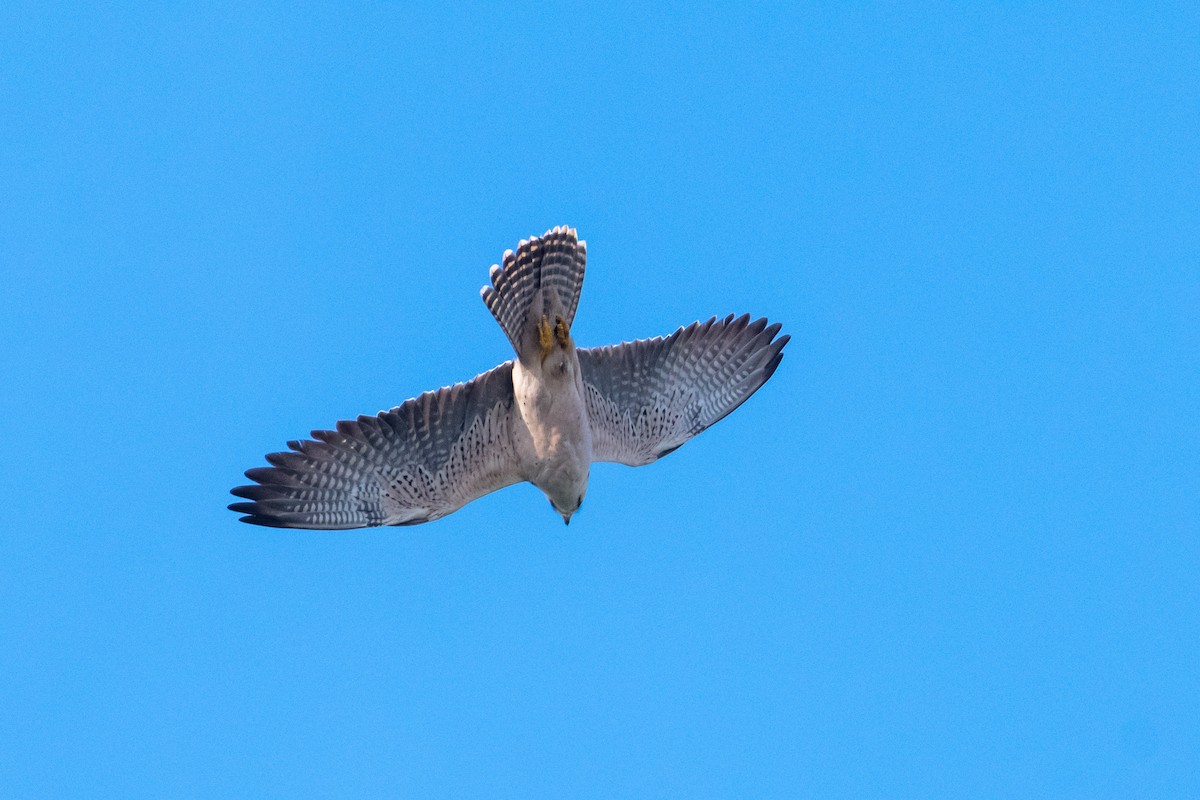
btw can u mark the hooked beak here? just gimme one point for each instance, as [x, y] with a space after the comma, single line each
[566, 519]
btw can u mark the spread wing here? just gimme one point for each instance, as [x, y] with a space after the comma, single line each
[422, 460]
[646, 398]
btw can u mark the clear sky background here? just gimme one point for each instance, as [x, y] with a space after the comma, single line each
[950, 550]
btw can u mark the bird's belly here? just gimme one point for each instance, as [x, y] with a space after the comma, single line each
[557, 433]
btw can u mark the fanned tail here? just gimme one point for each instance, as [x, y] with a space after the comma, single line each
[544, 276]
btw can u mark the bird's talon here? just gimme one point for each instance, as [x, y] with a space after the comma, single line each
[545, 337]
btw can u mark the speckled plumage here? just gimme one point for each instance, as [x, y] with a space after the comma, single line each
[646, 398]
[544, 417]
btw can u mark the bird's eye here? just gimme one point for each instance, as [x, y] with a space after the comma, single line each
[579, 502]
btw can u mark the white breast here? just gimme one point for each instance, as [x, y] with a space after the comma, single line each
[556, 437]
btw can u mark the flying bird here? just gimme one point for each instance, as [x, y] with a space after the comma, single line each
[543, 417]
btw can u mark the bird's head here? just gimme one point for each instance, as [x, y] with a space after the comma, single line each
[566, 510]
[566, 493]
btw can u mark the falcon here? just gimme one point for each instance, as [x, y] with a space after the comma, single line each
[544, 417]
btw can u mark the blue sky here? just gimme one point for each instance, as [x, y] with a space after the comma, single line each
[949, 550]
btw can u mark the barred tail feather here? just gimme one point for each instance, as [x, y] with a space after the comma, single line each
[544, 276]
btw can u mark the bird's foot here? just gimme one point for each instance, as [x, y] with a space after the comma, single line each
[561, 333]
[545, 336]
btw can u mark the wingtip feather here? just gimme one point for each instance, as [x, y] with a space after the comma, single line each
[266, 522]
